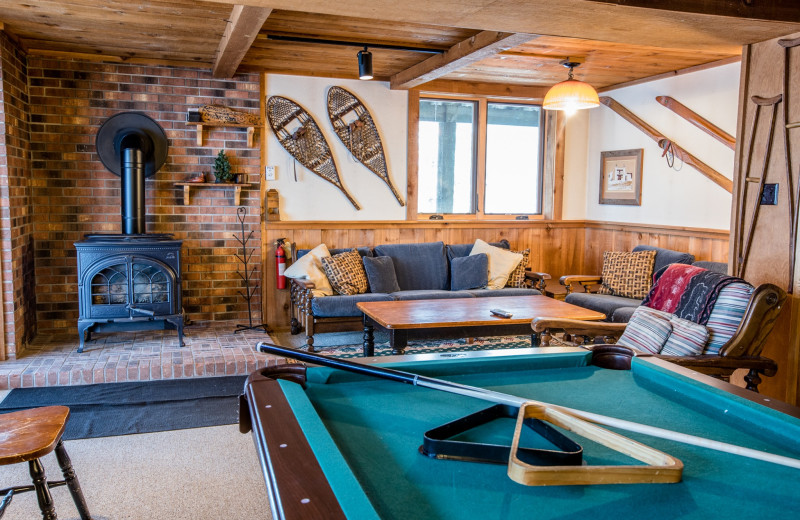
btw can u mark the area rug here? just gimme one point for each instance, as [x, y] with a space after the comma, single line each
[349, 344]
[110, 409]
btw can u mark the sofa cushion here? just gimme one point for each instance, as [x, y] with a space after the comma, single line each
[380, 274]
[342, 306]
[717, 267]
[726, 315]
[627, 274]
[648, 331]
[346, 272]
[501, 263]
[605, 303]
[517, 276]
[469, 272]
[507, 291]
[418, 266]
[309, 267]
[459, 250]
[664, 257]
[430, 295]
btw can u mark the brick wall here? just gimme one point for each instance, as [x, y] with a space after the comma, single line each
[16, 222]
[73, 194]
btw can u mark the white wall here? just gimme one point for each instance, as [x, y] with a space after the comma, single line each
[313, 198]
[674, 198]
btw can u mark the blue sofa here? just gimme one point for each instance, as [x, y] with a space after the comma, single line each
[423, 273]
[617, 308]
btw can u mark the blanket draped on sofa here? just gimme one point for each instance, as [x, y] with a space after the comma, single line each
[687, 291]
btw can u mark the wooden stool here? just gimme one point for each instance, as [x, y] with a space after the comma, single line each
[27, 436]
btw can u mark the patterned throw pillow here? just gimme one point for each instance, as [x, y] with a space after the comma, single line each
[647, 330]
[501, 263]
[346, 272]
[517, 276]
[629, 275]
[687, 339]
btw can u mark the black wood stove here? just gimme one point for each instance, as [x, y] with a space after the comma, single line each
[130, 281]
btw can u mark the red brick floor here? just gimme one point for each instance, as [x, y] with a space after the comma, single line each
[211, 349]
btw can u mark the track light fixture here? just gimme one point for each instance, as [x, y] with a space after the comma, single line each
[572, 94]
[364, 64]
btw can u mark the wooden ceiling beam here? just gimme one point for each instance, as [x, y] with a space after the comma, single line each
[776, 10]
[241, 31]
[474, 49]
[473, 88]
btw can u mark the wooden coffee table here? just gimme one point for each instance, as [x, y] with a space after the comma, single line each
[462, 317]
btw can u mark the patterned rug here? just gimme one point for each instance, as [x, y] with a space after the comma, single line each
[431, 346]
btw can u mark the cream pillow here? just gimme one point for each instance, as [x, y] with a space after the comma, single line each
[501, 263]
[309, 267]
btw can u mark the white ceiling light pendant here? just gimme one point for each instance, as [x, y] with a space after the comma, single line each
[571, 95]
[364, 64]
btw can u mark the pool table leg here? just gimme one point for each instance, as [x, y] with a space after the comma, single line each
[369, 338]
[399, 341]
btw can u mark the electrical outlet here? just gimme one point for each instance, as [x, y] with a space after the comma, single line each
[269, 173]
[769, 197]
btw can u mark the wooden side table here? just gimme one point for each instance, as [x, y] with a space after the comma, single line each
[557, 291]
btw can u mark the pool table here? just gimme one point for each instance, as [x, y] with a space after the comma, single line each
[347, 446]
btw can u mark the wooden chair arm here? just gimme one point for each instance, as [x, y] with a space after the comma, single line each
[579, 327]
[762, 364]
[306, 285]
[538, 280]
[580, 278]
[584, 280]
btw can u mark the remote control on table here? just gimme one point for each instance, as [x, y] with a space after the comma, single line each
[501, 313]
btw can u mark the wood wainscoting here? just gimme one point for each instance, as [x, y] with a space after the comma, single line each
[558, 248]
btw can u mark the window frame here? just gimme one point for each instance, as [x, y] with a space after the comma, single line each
[548, 124]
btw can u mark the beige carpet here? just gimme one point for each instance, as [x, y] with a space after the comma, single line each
[202, 473]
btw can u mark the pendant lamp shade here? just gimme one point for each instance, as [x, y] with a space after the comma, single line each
[571, 95]
[364, 64]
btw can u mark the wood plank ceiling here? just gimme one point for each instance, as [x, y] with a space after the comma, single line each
[640, 43]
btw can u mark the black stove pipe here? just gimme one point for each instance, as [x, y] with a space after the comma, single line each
[133, 207]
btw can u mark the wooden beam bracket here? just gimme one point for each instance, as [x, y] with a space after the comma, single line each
[240, 33]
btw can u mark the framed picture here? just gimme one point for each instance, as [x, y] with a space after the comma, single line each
[621, 177]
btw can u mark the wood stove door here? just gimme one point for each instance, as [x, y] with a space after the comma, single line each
[130, 287]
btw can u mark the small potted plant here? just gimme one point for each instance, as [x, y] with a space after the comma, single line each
[222, 168]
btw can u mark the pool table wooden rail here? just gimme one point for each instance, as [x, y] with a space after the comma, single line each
[283, 451]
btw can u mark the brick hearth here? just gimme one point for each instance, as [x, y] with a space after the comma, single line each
[212, 349]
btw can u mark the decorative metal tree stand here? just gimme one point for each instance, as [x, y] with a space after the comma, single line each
[241, 213]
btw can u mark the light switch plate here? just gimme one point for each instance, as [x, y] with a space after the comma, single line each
[269, 173]
[769, 196]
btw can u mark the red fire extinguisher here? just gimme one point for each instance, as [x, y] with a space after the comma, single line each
[280, 264]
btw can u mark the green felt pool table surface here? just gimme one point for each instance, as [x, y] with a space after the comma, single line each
[364, 435]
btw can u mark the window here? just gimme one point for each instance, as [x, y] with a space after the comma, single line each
[479, 159]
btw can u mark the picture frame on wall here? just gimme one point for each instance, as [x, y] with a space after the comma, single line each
[621, 177]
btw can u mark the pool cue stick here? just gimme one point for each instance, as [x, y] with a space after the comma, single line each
[507, 399]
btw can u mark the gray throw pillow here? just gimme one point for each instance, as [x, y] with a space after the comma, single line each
[469, 272]
[380, 274]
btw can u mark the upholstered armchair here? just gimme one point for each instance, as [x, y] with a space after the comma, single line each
[736, 334]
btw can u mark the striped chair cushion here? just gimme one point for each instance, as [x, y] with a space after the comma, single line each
[687, 339]
[647, 330]
[726, 315]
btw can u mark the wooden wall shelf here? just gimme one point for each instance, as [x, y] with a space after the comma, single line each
[251, 129]
[187, 186]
